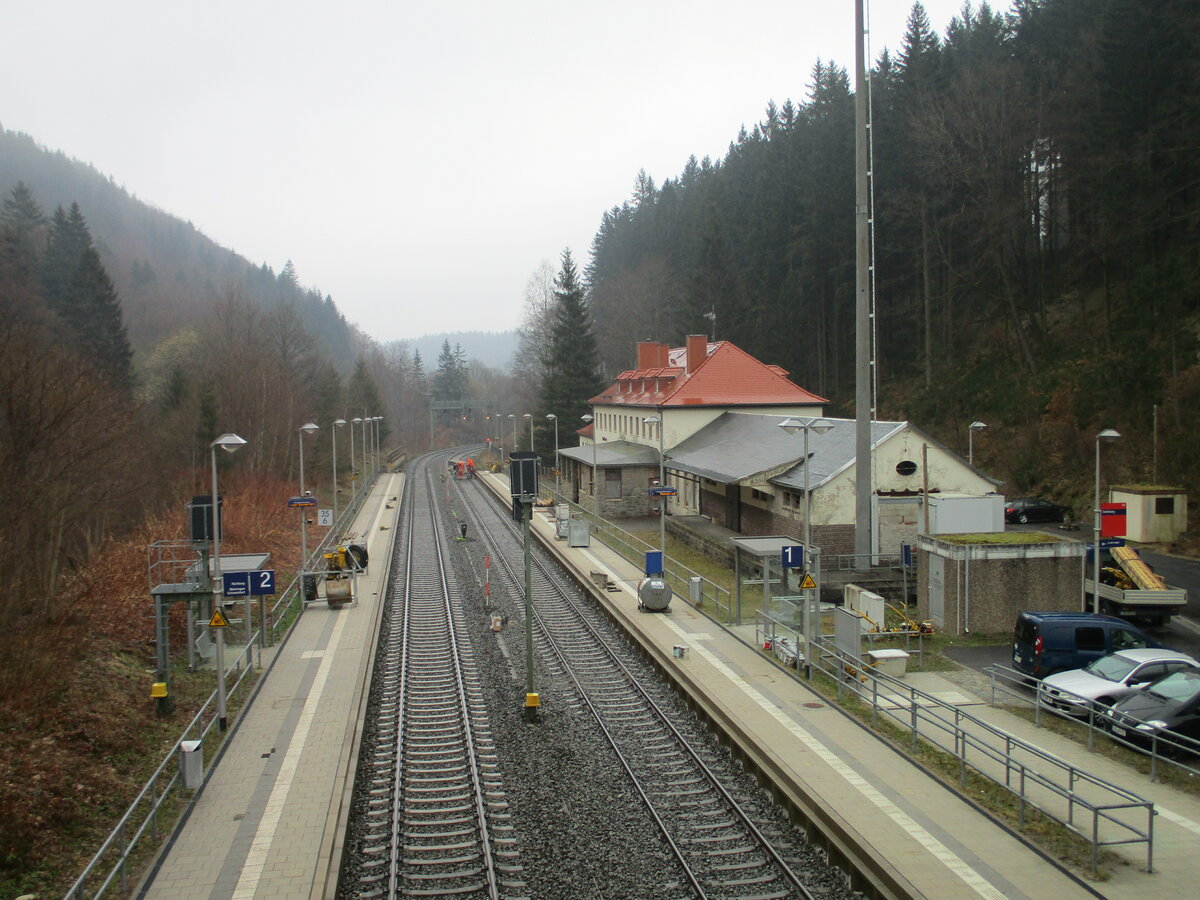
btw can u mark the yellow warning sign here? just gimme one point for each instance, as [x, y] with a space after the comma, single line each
[807, 584]
[218, 620]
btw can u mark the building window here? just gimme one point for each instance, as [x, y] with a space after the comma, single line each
[1164, 506]
[759, 495]
[612, 484]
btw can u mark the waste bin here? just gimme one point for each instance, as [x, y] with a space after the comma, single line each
[191, 764]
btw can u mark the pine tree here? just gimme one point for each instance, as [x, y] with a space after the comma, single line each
[572, 374]
[69, 238]
[26, 222]
[92, 311]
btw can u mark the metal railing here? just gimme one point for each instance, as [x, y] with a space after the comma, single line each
[714, 598]
[118, 852]
[1163, 747]
[112, 862]
[1101, 813]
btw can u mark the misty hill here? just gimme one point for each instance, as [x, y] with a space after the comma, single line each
[493, 349]
[166, 272]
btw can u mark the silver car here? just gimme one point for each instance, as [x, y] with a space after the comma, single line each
[1108, 679]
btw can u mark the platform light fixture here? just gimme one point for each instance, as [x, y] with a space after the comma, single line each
[230, 444]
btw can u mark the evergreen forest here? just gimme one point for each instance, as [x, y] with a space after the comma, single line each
[1035, 224]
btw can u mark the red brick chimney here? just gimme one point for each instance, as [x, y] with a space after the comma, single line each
[697, 350]
[652, 355]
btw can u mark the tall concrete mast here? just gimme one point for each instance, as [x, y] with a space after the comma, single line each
[862, 307]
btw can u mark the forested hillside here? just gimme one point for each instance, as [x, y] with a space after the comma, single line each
[167, 273]
[1035, 232]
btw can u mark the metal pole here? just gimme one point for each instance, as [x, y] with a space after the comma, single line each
[303, 518]
[1096, 536]
[530, 711]
[222, 718]
[529, 416]
[808, 611]
[863, 530]
[353, 467]
[337, 424]
[970, 446]
[662, 498]
[1107, 434]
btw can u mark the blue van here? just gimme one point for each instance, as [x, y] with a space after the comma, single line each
[1049, 642]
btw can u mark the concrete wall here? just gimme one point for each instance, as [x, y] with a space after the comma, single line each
[985, 595]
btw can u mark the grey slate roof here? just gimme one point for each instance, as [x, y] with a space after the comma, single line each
[736, 446]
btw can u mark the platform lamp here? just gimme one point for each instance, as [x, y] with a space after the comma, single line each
[513, 417]
[337, 423]
[353, 464]
[662, 483]
[553, 418]
[529, 416]
[306, 428]
[817, 426]
[595, 499]
[229, 443]
[971, 429]
[1108, 434]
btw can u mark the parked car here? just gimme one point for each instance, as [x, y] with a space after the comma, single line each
[1110, 678]
[1171, 704]
[1049, 642]
[1030, 509]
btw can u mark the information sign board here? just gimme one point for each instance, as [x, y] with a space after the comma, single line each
[302, 501]
[793, 556]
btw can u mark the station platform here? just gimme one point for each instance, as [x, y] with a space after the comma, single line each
[936, 843]
[268, 821]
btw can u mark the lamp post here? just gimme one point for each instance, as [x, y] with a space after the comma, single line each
[513, 417]
[378, 443]
[553, 418]
[529, 416]
[595, 500]
[971, 429]
[337, 423]
[353, 464]
[662, 483]
[364, 421]
[1108, 434]
[820, 426]
[229, 443]
[307, 428]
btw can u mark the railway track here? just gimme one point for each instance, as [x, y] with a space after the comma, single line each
[431, 810]
[711, 831]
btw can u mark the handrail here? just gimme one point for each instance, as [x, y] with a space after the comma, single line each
[976, 744]
[154, 794]
[633, 549]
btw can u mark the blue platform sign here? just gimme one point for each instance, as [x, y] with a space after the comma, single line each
[906, 554]
[235, 584]
[262, 582]
[248, 584]
[793, 556]
[654, 562]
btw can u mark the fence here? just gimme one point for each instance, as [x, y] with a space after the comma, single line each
[1101, 813]
[713, 597]
[164, 794]
[1163, 747]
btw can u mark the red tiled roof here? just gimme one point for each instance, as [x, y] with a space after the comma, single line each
[727, 376]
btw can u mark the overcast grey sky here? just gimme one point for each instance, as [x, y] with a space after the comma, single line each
[416, 161]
